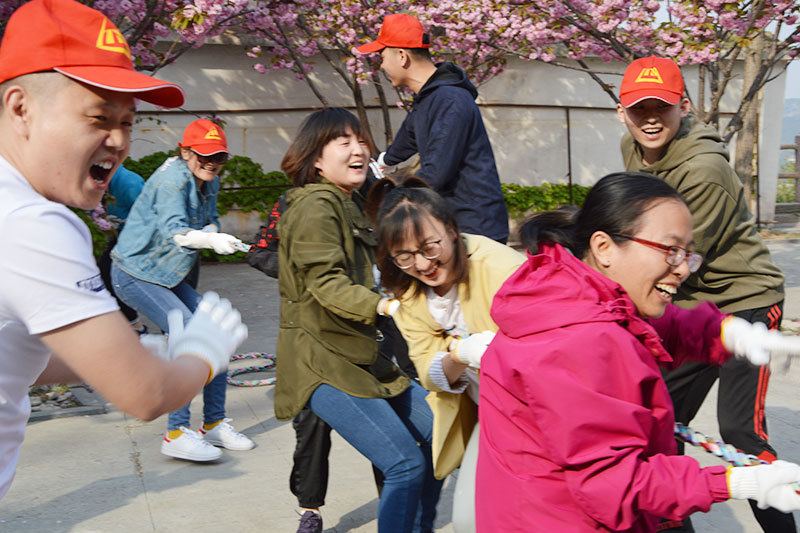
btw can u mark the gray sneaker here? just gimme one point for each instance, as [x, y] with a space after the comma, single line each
[310, 522]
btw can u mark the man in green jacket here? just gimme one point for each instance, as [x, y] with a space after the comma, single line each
[737, 275]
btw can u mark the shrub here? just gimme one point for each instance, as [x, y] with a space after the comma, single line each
[244, 173]
[523, 199]
[239, 172]
[785, 192]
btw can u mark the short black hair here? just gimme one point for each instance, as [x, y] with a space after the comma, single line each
[420, 54]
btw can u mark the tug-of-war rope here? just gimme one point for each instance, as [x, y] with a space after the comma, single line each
[727, 452]
[269, 365]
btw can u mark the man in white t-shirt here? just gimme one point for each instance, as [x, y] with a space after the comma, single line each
[67, 102]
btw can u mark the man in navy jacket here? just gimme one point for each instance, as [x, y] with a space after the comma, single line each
[445, 127]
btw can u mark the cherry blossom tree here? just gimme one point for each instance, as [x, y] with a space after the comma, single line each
[716, 35]
[150, 24]
[295, 31]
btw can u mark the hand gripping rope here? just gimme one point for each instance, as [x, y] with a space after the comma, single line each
[727, 452]
[269, 365]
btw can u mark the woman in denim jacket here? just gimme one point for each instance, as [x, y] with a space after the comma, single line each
[173, 217]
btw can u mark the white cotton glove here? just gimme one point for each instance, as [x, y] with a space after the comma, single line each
[755, 342]
[222, 243]
[469, 351]
[212, 334]
[769, 485]
[156, 344]
[387, 307]
[381, 163]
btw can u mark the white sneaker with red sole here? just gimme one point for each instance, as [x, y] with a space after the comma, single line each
[224, 435]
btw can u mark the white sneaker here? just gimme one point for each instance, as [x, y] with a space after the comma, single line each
[224, 435]
[190, 446]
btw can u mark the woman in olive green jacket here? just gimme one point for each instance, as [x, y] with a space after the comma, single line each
[327, 344]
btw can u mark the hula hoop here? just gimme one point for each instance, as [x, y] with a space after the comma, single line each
[270, 364]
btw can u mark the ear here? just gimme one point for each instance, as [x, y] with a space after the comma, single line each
[451, 233]
[404, 57]
[602, 248]
[621, 113]
[185, 152]
[686, 107]
[18, 108]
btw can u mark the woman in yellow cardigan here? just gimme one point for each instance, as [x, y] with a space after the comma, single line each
[445, 282]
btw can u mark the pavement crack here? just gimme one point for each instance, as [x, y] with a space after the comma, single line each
[135, 457]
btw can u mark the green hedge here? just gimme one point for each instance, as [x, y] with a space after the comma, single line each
[524, 199]
[239, 171]
[243, 172]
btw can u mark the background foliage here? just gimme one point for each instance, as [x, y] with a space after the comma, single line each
[523, 199]
[245, 181]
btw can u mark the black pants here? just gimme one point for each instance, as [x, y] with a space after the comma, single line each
[104, 264]
[740, 407]
[309, 478]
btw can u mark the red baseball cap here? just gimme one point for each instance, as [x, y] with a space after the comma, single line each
[651, 77]
[204, 137]
[398, 31]
[80, 43]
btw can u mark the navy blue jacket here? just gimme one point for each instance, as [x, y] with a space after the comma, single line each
[446, 128]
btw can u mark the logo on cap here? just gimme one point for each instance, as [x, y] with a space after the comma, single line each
[649, 75]
[112, 40]
[213, 134]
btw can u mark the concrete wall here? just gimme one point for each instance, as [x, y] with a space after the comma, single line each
[545, 123]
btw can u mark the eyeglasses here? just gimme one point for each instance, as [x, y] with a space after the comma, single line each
[429, 250]
[218, 159]
[675, 254]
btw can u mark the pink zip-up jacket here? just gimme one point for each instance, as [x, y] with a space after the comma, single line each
[576, 421]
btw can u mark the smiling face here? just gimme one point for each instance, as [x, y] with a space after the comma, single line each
[653, 123]
[203, 168]
[641, 270]
[75, 137]
[344, 161]
[440, 272]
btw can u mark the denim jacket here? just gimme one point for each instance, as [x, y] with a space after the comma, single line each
[170, 204]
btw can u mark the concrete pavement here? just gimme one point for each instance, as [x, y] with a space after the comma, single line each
[104, 473]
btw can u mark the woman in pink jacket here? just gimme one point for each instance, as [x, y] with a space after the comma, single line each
[576, 421]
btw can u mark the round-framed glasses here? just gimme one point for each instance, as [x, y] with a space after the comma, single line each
[429, 250]
[675, 255]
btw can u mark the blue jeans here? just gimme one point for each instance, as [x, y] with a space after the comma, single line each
[395, 434]
[154, 302]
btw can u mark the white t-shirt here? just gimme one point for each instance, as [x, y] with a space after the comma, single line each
[48, 279]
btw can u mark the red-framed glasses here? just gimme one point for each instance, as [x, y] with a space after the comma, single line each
[675, 255]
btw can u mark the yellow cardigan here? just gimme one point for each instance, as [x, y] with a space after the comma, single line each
[454, 415]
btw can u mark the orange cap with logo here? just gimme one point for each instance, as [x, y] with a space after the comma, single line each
[204, 137]
[81, 43]
[398, 31]
[651, 77]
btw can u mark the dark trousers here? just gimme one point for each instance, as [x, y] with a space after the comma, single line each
[309, 478]
[104, 264]
[740, 408]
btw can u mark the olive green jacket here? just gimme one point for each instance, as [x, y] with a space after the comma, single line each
[737, 272]
[327, 331]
